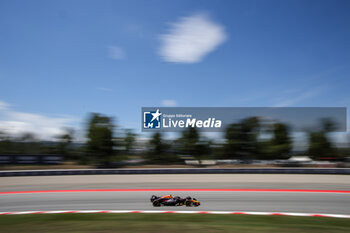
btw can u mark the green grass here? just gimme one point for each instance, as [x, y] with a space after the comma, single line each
[168, 223]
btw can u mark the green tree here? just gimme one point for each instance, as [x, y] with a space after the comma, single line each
[232, 145]
[242, 139]
[157, 145]
[319, 144]
[6, 144]
[157, 149]
[29, 144]
[192, 144]
[100, 137]
[65, 142]
[281, 143]
[129, 141]
[190, 139]
[160, 151]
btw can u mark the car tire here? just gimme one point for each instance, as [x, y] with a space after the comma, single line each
[188, 203]
[156, 203]
[153, 198]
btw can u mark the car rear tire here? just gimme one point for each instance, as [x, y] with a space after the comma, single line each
[156, 203]
[188, 203]
[153, 198]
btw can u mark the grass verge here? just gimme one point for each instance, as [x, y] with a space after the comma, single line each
[107, 223]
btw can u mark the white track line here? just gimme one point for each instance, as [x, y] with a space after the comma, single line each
[177, 212]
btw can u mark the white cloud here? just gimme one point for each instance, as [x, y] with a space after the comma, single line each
[191, 38]
[169, 103]
[116, 52]
[3, 105]
[16, 123]
[104, 89]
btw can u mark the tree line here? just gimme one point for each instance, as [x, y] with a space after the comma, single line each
[250, 138]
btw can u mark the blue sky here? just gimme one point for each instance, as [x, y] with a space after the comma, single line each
[60, 60]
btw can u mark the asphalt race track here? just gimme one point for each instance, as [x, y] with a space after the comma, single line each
[298, 202]
[227, 201]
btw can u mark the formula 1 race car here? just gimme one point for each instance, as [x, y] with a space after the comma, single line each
[169, 200]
